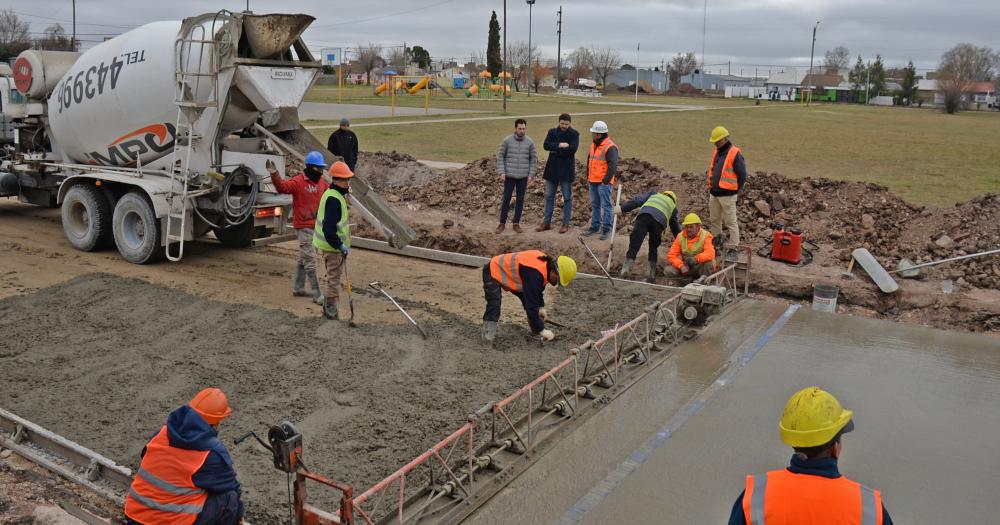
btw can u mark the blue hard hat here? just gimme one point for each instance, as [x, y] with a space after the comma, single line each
[315, 158]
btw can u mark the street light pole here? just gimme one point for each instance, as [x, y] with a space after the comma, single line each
[559, 49]
[531, 3]
[503, 70]
[704, 27]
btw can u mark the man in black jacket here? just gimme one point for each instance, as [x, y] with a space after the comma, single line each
[560, 170]
[344, 143]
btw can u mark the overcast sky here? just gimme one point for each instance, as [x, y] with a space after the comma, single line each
[752, 34]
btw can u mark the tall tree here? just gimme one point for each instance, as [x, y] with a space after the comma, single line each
[682, 64]
[908, 87]
[581, 62]
[369, 57]
[538, 73]
[961, 67]
[494, 62]
[877, 75]
[518, 55]
[837, 58]
[604, 60]
[13, 34]
[55, 39]
[400, 57]
[421, 57]
[858, 77]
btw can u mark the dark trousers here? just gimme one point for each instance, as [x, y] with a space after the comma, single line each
[220, 509]
[645, 224]
[493, 293]
[509, 185]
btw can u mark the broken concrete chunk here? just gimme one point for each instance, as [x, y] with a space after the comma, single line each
[867, 221]
[762, 207]
[945, 242]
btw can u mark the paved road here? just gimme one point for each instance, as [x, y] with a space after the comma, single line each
[328, 111]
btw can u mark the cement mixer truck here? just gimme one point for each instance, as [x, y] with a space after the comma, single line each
[160, 135]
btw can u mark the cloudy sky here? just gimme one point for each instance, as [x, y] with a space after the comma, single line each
[749, 34]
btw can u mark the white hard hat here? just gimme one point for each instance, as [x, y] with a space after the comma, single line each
[599, 127]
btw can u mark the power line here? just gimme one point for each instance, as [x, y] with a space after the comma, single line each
[382, 17]
[22, 13]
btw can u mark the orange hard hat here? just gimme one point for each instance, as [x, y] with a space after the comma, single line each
[212, 405]
[339, 170]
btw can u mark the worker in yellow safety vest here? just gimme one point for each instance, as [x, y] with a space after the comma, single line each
[525, 275]
[726, 175]
[692, 254]
[333, 234]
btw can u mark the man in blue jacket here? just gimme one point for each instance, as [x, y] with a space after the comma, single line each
[186, 475]
[560, 170]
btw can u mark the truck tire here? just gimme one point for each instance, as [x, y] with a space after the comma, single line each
[238, 236]
[86, 218]
[137, 229]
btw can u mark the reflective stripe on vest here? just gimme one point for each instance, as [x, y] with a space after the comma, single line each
[163, 490]
[693, 246]
[343, 226]
[728, 179]
[785, 497]
[662, 203]
[506, 268]
[597, 165]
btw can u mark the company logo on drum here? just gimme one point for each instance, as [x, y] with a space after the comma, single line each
[123, 151]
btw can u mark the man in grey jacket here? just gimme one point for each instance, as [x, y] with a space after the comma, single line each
[517, 161]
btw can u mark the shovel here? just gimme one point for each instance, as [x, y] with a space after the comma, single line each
[614, 225]
[591, 252]
[378, 286]
[350, 295]
[906, 267]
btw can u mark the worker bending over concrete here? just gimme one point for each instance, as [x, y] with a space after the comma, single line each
[657, 211]
[525, 275]
[811, 490]
[186, 475]
[726, 175]
[333, 234]
[305, 189]
[602, 163]
[692, 254]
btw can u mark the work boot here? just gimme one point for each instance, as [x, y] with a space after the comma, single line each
[317, 295]
[626, 267]
[517, 228]
[490, 330]
[299, 290]
[604, 235]
[501, 228]
[543, 227]
[589, 232]
[651, 278]
[564, 228]
[331, 309]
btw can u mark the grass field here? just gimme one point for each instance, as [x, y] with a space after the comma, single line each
[925, 156]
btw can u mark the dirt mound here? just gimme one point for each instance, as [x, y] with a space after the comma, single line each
[393, 169]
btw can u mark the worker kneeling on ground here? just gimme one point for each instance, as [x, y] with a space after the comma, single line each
[811, 490]
[524, 274]
[657, 212]
[332, 236]
[692, 254]
[186, 475]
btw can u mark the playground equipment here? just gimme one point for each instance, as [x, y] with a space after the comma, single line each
[485, 87]
[411, 85]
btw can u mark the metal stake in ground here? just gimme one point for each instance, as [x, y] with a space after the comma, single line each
[614, 223]
[378, 286]
[591, 252]
[350, 294]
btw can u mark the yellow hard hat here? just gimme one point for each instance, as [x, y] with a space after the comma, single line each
[567, 269]
[692, 218]
[812, 418]
[718, 134]
[671, 194]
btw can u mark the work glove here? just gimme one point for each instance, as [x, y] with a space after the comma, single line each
[270, 167]
[344, 249]
[690, 262]
[542, 314]
[617, 210]
[547, 335]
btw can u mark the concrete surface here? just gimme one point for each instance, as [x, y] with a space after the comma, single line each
[925, 406]
[329, 111]
[442, 165]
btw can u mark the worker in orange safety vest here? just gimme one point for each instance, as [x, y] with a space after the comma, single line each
[525, 275]
[726, 175]
[692, 254]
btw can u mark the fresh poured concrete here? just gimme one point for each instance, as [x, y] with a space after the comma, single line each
[927, 410]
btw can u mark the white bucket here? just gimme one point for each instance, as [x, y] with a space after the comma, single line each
[825, 298]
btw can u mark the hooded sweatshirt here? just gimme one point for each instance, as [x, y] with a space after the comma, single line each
[187, 430]
[305, 194]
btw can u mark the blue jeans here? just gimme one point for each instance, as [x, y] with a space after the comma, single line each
[600, 204]
[550, 200]
[510, 186]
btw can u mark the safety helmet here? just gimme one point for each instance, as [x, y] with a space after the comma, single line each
[566, 268]
[339, 170]
[812, 418]
[212, 405]
[692, 218]
[599, 127]
[670, 194]
[718, 134]
[315, 158]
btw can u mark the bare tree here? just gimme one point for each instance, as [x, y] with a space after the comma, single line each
[961, 67]
[682, 64]
[13, 34]
[837, 58]
[369, 57]
[539, 71]
[604, 60]
[55, 39]
[580, 63]
[399, 57]
[517, 61]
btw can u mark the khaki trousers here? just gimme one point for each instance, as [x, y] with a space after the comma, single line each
[307, 252]
[334, 269]
[722, 214]
[705, 268]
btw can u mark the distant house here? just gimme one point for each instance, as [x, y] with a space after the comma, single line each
[979, 92]
[711, 82]
[656, 81]
[782, 85]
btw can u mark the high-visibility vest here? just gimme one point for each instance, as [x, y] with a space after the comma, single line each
[163, 490]
[691, 247]
[783, 497]
[343, 227]
[597, 166]
[728, 180]
[660, 202]
[506, 268]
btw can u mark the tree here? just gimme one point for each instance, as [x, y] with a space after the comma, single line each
[858, 77]
[539, 72]
[400, 57]
[55, 39]
[837, 58]
[877, 77]
[961, 67]
[604, 60]
[475, 64]
[494, 62]
[13, 34]
[630, 67]
[421, 57]
[580, 63]
[682, 64]
[518, 55]
[909, 84]
[369, 57]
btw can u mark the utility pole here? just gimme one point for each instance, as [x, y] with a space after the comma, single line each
[559, 49]
[636, 72]
[704, 27]
[74, 26]
[812, 53]
[503, 70]
[531, 3]
[868, 82]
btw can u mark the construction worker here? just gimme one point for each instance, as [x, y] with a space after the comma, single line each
[344, 143]
[811, 490]
[333, 234]
[602, 163]
[525, 275]
[186, 475]
[305, 189]
[657, 211]
[692, 254]
[726, 175]
[517, 161]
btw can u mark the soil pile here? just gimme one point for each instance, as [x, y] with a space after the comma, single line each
[393, 169]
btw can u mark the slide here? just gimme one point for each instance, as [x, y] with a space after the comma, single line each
[472, 91]
[381, 88]
[419, 85]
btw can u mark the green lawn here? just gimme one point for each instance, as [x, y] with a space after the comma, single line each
[925, 156]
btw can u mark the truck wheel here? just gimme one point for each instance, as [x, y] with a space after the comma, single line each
[238, 236]
[137, 229]
[86, 217]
